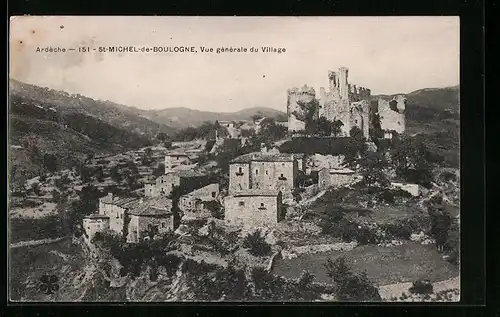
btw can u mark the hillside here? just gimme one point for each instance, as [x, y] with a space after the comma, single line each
[116, 115]
[43, 138]
[183, 117]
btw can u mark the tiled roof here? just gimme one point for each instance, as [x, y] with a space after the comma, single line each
[256, 192]
[125, 202]
[188, 173]
[263, 157]
[153, 207]
[96, 216]
[176, 153]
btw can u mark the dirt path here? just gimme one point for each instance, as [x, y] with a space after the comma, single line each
[35, 242]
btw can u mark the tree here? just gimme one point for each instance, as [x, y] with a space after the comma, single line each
[441, 222]
[337, 127]
[257, 116]
[411, 159]
[308, 114]
[115, 174]
[323, 127]
[272, 131]
[373, 166]
[50, 162]
[256, 244]
[350, 286]
[356, 147]
[159, 170]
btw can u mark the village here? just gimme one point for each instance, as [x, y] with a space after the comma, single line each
[284, 193]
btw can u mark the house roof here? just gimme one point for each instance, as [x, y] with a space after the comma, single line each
[176, 154]
[96, 216]
[188, 173]
[263, 157]
[256, 192]
[124, 202]
[156, 206]
[341, 171]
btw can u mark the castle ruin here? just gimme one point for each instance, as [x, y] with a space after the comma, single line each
[348, 103]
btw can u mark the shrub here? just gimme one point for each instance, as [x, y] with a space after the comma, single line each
[421, 287]
[350, 286]
[397, 230]
[256, 244]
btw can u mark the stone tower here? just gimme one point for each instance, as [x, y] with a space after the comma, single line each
[294, 97]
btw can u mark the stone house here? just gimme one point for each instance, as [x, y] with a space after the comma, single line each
[194, 204]
[262, 170]
[151, 216]
[174, 159]
[413, 189]
[94, 223]
[335, 177]
[115, 208]
[253, 207]
[163, 185]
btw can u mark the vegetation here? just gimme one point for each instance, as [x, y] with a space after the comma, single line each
[421, 287]
[350, 286]
[257, 244]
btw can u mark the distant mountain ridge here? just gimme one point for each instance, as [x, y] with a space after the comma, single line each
[181, 117]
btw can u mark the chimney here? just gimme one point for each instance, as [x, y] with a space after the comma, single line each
[263, 148]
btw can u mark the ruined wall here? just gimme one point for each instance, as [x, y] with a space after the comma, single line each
[92, 226]
[272, 175]
[334, 178]
[360, 116]
[392, 114]
[172, 161]
[294, 96]
[239, 177]
[191, 204]
[139, 224]
[252, 210]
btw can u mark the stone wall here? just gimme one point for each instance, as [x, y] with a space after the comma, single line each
[139, 224]
[392, 114]
[92, 226]
[172, 161]
[253, 210]
[239, 177]
[294, 97]
[328, 178]
[116, 216]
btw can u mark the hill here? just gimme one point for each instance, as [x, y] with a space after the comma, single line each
[114, 114]
[45, 135]
[181, 117]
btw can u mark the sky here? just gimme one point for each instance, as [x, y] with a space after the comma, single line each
[386, 54]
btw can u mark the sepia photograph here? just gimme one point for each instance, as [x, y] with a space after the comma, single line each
[234, 159]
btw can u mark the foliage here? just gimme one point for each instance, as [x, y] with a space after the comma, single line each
[257, 244]
[373, 170]
[115, 174]
[421, 287]
[348, 285]
[50, 162]
[271, 131]
[87, 204]
[25, 229]
[215, 209]
[441, 222]
[411, 159]
[159, 170]
[308, 114]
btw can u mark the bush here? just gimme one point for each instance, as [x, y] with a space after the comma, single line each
[397, 230]
[257, 244]
[350, 286]
[421, 287]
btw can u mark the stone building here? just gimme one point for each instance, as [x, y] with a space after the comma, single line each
[194, 204]
[163, 185]
[174, 159]
[262, 170]
[345, 102]
[136, 214]
[152, 216]
[413, 189]
[94, 223]
[295, 97]
[115, 208]
[253, 207]
[335, 177]
[392, 115]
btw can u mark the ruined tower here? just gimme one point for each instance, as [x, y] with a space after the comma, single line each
[295, 113]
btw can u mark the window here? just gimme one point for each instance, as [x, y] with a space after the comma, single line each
[262, 206]
[117, 215]
[256, 172]
[213, 194]
[239, 170]
[267, 173]
[241, 203]
[163, 225]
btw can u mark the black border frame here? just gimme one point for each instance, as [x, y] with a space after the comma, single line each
[472, 94]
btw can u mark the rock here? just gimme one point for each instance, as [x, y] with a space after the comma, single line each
[203, 231]
[417, 236]
[183, 229]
